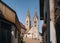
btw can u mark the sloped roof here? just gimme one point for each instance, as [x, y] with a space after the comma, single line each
[7, 6]
[22, 26]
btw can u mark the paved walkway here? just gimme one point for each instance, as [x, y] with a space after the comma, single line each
[28, 40]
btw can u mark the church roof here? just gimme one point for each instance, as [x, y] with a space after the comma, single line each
[22, 26]
[7, 6]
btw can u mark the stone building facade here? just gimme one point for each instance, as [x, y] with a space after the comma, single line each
[9, 24]
[32, 31]
[52, 10]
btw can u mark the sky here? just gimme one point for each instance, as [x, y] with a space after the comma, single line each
[21, 8]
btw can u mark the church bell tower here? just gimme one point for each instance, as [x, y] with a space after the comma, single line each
[28, 22]
[35, 19]
[36, 29]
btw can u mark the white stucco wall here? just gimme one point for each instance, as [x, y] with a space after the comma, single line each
[52, 28]
[33, 33]
[52, 32]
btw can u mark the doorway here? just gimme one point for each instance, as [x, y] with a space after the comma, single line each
[5, 32]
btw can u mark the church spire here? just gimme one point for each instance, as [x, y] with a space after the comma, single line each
[36, 15]
[28, 13]
[28, 22]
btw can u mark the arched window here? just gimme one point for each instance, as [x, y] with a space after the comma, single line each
[35, 25]
[27, 21]
[35, 21]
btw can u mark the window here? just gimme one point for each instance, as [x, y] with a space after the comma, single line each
[35, 38]
[34, 21]
[35, 25]
[28, 33]
[27, 21]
